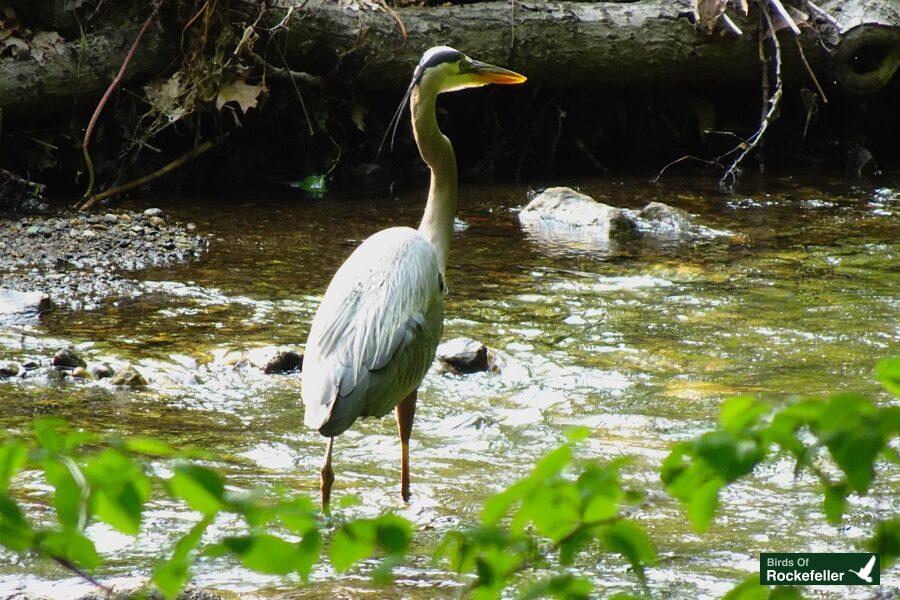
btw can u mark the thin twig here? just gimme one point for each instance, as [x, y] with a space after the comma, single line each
[178, 162]
[773, 103]
[69, 565]
[822, 13]
[810, 71]
[293, 79]
[397, 18]
[191, 21]
[112, 86]
[680, 160]
[38, 188]
[765, 88]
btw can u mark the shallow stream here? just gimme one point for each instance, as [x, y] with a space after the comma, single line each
[641, 343]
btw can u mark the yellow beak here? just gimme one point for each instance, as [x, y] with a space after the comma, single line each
[491, 74]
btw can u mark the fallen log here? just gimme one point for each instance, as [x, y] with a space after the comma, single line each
[558, 44]
[80, 70]
[588, 44]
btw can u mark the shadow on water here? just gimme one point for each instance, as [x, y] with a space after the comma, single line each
[641, 343]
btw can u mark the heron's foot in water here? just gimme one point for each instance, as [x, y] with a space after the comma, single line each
[327, 481]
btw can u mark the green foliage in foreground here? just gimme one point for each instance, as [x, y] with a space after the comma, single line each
[562, 511]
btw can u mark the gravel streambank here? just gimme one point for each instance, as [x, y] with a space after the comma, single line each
[78, 259]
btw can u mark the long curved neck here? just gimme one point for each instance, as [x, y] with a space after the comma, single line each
[437, 152]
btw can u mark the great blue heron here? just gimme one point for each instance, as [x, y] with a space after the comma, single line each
[375, 334]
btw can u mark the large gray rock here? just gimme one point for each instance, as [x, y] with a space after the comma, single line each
[564, 215]
[562, 212]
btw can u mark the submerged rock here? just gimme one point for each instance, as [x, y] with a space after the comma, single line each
[9, 369]
[463, 355]
[67, 358]
[665, 219]
[562, 210]
[284, 361]
[128, 376]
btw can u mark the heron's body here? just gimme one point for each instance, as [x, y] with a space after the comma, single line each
[376, 332]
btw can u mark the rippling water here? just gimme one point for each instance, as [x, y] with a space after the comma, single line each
[640, 342]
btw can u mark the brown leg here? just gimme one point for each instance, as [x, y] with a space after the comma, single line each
[327, 476]
[406, 411]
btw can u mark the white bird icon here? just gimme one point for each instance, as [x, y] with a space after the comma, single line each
[866, 572]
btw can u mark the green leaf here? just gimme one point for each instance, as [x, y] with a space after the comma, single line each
[577, 433]
[13, 455]
[393, 534]
[553, 463]
[313, 185]
[888, 373]
[49, 433]
[749, 589]
[731, 456]
[15, 531]
[565, 586]
[308, 551]
[149, 446]
[352, 543]
[120, 490]
[203, 489]
[886, 542]
[849, 429]
[170, 576]
[73, 546]
[600, 508]
[265, 553]
[835, 503]
[741, 412]
[69, 495]
[497, 506]
[703, 504]
[629, 540]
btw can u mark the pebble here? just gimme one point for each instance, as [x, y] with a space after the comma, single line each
[157, 221]
[100, 370]
[110, 218]
[81, 373]
[68, 358]
[284, 361]
[153, 212]
[463, 355]
[128, 376]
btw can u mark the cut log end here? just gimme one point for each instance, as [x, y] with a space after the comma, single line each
[867, 58]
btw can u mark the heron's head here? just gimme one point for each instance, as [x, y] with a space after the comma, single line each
[444, 69]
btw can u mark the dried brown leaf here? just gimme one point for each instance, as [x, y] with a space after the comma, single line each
[243, 93]
[707, 13]
[46, 45]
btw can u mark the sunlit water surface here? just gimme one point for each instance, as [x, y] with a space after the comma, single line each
[641, 343]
